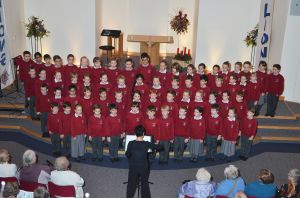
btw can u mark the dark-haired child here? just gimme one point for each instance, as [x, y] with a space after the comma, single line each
[54, 122]
[133, 118]
[30, 94]
[65, 128]
[42, 105]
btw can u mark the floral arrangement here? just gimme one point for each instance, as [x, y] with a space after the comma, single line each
[251, 37]
[183, 56]
[180, 23]
[36, 28]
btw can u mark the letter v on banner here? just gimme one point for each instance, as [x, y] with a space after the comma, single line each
[6, 67]
[264, 31]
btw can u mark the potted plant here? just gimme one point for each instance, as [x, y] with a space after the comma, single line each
[250, 41]
[36, 31]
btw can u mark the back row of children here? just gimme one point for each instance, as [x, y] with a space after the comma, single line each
[90, 85]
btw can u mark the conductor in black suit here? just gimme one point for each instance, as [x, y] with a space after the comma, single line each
[139, 166]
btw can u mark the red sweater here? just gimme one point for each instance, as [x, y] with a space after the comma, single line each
[166, 129]
[262, 80]
[132, 120]
[53, 85]
[151, 126]
[67, 70]
[122, 108]
[214, 126]
[178, 94]
[225, 78]
[248, 127]
[49, 71]
[114, 126]
[73, 101]
[38, 66]
[275, 84]
[38, 85]
[112, 75]
[103, 104]
[129, 77]
[253, 91]
[196, 80]
[126, 92]
[80, 90]
[78, 125]
[224, 108]
[54, 122]
[96, 126]
[42, 103]
[144, 90]
[96, 73]
[65, 124]
[241, 109]
[59, 101]
[173, 108]
[30, 87]
[147, 72]
[83, 71]
[248, 74]
[197, 128]
[182, 127]
[233, 89]
[195, 104]
[24, 68]
[157, 105]
[108, 87]
[87, 105]
[230, 129]
[206, 91]
[163, 77]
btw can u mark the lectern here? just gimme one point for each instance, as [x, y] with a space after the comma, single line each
[150, 44]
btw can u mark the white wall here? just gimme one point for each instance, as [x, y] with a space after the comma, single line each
[222, 27]
[71, 23]
[14, 16]
[290, 58]
[146, 17]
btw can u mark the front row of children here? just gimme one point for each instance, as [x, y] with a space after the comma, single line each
[74, 129]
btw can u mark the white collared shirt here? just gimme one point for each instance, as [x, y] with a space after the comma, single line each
[197, 118]
[78, 115]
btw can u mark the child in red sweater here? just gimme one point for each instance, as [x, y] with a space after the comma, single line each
[247, 66]
[233, 87]
[72, 98]
[85, 83]
[185, 99]
[163, 73]
[78, 133]
[248, 128]
[114, 127]
[54, 121]
[230, 131]
[103, 101]
[175, 87]
[166, 133]
[42, 105]
[197, 134]
[113, 71]
[30, 94]
[181, 133]
[253, 91]
[146, 69]
[122, 86]
[204, 88]
[225, 104]
[41, 80]
[65, 128]
[214, 127]
[96, 133]
[141, 86]
[48, 66]
[104, 83]
[150, 122]
[70, 67]
[237, 70]
[133, 118]
[56, 81]
[275, 89]
[262, 76]
[156, 85]
[57, 97]
[121, 103]
[226, 72]
[87, 102]
[170, 102]
[240, 105]
[97, 70]
[153, 101]
[198, 102]
[129, 72]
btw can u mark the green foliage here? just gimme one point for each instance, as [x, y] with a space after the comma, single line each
[36, 28]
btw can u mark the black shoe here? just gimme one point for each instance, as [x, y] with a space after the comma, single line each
[267, 115]
[245, 158]
[192, 159]
[78, 159]
[100, 159]
[228, 160]
[82, 158]
[256, 114]
[195, 160]
[272, 116]
[112, 160]
[94, 159]
[240, 157]
[116, 159]
[46, 135]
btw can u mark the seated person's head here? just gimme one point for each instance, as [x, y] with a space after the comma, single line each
[11, 189]
[41, 192]
[203, 175]
[29, 158]
[240, 195]
[266, 176]
[294, 176]
[139, 131]
[4, 156]
[61, 164]
[231, 172]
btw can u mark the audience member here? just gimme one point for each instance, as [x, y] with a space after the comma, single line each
[201, 187]
[232, 183]
[63, 176]
[6, 168]
[32, 171]
[292, 188]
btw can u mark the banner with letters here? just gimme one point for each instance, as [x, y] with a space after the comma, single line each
[264, 31]
[6, 66]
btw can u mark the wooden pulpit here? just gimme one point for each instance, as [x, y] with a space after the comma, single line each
[150, 44]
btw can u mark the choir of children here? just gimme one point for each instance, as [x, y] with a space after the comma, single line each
[96, 103]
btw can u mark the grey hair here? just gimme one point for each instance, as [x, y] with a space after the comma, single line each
[231, 172]
[61, 163]
[294, 174]
[29, 157]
